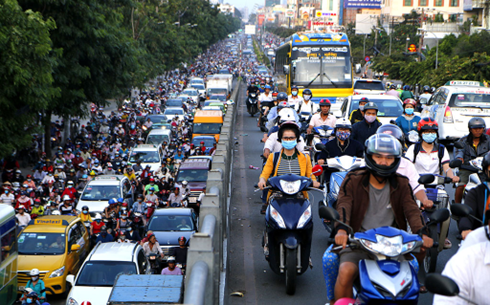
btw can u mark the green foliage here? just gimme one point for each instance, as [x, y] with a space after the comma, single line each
[282, 31]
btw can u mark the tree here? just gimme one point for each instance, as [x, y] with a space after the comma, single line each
[26, 66]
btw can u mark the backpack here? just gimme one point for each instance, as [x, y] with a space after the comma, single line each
[440, 154]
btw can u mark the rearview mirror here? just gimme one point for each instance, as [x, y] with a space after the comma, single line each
[426, 179]
[439, 216]
[328, 213]
[70, 278]
[317, 170]
[455, 163]
[75, 247]
[461, 210]
[320, 146]
[440, 284]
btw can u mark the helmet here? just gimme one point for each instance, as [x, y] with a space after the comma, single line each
[307, 92]
[92, 173]
[392, 130]
[86, 303]
[66, 197]
[69, 182]
[111, 201]
[184, 182]
[325, 102]
[427, 124]
[410, 101]
[85, 208]
[171, 259]
[399, 86]
[286, 114]
[426, 88]
[34, 272]
[406, 88]
[344, 123]
[56, 212]
[393, 86]
[371, 105]
[282, 96]
[182, 238]
[267, 87]
[32, 294]
[289, 125]
[476, 123]
[98, 216]
[282, 105]
[345, 301]
[385, 144]
[84, 176]
[364, 100]
[294, 87]
[432, 89]
[152, 189]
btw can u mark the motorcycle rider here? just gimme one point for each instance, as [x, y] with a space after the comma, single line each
[306, 105]
[132, 234]
[408, 120]
[104, 237]
[475, 144]
[322, 118]
[393, 91]
[265, 99]
[180, 252]
[406, 93]
[342, 144]
[272, 144]
[172, 269]
[372, 197]
[358, 115]
[362, 130]
[294, 99]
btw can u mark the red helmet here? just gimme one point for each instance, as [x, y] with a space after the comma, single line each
[410, 101]
[86, 303]
[427, 124]
[202, 142]
[152, 180]
[325, 102]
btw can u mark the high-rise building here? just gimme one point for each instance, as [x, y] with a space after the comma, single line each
[271, 3]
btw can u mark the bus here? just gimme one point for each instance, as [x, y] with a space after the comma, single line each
[318, 61]
[8, 257]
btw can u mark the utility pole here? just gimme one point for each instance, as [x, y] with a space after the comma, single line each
[375, 41]
[391, 31]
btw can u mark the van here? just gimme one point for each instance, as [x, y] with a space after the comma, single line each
[56, 245]
[158, 136]
[207, 123]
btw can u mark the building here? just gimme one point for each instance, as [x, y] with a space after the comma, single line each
[481, 8]
[227, 9]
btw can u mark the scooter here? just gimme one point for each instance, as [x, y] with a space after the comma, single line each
[289, 227]
[388, 278]
[252, 104]
[474, 178]
[155, 264]
[321, 135]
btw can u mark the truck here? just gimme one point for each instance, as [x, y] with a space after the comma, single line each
[219, 84]
[148, 289]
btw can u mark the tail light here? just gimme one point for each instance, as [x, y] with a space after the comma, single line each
[356, 93]
[448, 116]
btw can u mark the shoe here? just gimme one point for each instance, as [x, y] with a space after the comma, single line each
[423, 289]
[263, 209]
[447, 244]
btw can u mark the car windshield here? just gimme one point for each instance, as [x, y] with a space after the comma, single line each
[206, 128]
[365, 85]
[171, 223]
[197, 86]
[100, 192]
[174, 112]
[145, 156]
[103, 273]
[190, 92]
[158, 118]
[157, 138]
[42, 243]
[386, 108]
[174, 103]
[192, 175]
[219, 97]
[470, 99]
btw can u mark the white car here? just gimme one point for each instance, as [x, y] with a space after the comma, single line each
[148, 154]
[454, 104]
[96, 277]
[389, 107]
[99, 190]
[193, 93]
[369, 86]
[172, 112]
[201, 88]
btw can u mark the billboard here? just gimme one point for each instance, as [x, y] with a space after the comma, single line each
[376, 4]
[250, 29]
[261, 18]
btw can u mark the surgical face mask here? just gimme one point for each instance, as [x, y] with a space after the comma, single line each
[84, 212]
[6, 192]
[306, 97]
[294, 93]
[289, 144]
[140, 200]
[370, 118]
[130, 229]
[151, 192]
[97, 220]
[28, 301]
[429, 137]
[409, 111]
[361, 107]
[124, 217]
[34, 278]
[342, 135]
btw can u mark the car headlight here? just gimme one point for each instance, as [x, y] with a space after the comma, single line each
[71, 301]
[277, 217]
[58, 272]
[304, 217]
[388, 246]
[290, 187]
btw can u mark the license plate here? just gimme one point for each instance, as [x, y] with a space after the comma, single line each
[192, 199]
[22, 288]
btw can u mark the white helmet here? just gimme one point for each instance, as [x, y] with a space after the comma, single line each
[66, 197]
[184, 183]
[34, 272]
[98, 216]
[343, 123]
[56, 212]
[286, 114]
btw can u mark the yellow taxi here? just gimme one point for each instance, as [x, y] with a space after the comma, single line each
[56, 245]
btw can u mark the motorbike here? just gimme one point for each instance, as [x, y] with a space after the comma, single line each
[138, 223]
[289, 227]
[474, 178]
[252, 104]
[321, 135]
[151, 208]
[155, 263]
[387, 278]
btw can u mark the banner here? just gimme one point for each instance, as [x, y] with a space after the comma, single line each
[376, 4]
[261, 19]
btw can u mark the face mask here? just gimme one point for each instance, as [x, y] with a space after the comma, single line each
[29, 301]
[294, 93]
[370, 118]
[140, 200]
[306, 97]
[409, 111]
[343, 135]
[429, 137]
[97, 220]
[151, 192]
[361, 107]
[84, 212]
[130, 229]
[36, 205]
[124, 217]
[34, 278]
[289, 144]
[6, 192]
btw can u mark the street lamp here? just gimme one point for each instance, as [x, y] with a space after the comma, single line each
[437, 43]
[406, 44]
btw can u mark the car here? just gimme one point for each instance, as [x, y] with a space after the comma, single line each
[148, 154]
[195, 172]
[389, 107]
[263, 72]
[174, 102]
[57, 246]
[211, 108]
[168, 224]
[99, 190]
[271, 52]
[157, 136]
[100, 269]
[193, 93]
[196, 80]
[454, 104]
[158, 120]
[200, 88]
[369, 86]
[172, 112]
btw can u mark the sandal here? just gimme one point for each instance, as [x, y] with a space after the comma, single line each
[423, 289]
[447, 244]
[263, 209]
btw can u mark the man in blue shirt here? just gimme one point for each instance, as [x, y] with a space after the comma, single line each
[103, 236]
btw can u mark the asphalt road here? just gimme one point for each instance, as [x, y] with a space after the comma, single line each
[248, 271]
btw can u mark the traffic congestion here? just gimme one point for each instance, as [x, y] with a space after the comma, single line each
[360, 189]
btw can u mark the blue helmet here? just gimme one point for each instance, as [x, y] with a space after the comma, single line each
[267, 87]
[84, 176]
[111, 201]
[120, 200]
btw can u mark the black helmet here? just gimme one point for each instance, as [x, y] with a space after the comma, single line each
[432, 89]
[476, 123]
[307, 92]
[182, 238]
[393, 87]
[426, 88]
[484, 164]
[85, 208]
[371, 105]
[282, 96]
[384, 144]
[290, 125]
[392, 130]
[325, 102]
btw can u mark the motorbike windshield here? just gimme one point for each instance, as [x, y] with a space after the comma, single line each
[104, 273]
[42, 243]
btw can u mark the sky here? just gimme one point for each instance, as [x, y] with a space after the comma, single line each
[242, 3]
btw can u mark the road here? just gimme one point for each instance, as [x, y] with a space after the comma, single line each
[248, 271]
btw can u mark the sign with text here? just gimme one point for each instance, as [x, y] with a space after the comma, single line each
[289, 13]
[376, 4]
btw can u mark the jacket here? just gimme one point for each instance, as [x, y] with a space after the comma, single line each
[354, 198]
[406, 94]
[408, 124]
[356, 116]
[476, 200]
[352, 148]
[468, 152]
[362, 130]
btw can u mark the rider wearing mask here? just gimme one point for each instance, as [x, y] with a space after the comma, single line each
[342, 145]
[358, 115]
[265, 99]
[288, 161]
[408, 120]
[36, 284]
[371, 197]
[31, 298]
[272, 144]
[306, 105]
[96, 225]
[294, 99]
[475, 144]
[22, 217]
[362, 130]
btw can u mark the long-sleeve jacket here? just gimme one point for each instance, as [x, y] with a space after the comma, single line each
[362, 130]
[476, 200]
[468, 151]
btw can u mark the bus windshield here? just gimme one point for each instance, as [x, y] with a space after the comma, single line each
[322, 66]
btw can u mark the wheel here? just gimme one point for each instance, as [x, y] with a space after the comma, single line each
[430, 260]
[291, 256]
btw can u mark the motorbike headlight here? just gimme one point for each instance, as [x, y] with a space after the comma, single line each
[71, 301]
[388, 246]
[290, 187]
[304, 217]
[277, 217]
[58, 272]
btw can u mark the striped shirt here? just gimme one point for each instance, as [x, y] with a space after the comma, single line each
[288, 165]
